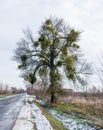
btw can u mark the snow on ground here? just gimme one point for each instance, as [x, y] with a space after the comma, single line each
[23, 121]
[30, 115]
[41, 121]
[72, 122]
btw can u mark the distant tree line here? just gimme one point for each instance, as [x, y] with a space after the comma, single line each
[6, 89]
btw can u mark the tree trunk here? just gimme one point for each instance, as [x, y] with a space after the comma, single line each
[52, 76]
[52, 86]
[53, 98]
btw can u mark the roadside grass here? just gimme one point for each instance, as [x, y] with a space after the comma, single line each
[57, 125]
[90, 109]
[93, 115]
[87, 112]
[3, 96]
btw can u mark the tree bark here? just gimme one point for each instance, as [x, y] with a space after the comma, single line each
[53, 98]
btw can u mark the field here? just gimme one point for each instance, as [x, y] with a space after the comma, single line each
[3, 96]
[90, 108]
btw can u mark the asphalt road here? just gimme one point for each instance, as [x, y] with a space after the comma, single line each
[9, 110]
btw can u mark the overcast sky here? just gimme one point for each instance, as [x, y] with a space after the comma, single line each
[16, 15]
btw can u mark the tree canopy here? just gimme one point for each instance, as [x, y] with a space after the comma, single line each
[55, 48]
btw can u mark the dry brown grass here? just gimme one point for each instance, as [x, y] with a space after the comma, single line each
[90, 108]
[92, 101]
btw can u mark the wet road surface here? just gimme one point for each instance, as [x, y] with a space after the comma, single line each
[9, 110]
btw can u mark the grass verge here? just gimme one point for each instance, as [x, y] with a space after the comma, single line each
[57, 125]
[94, 115]
[3, 96]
